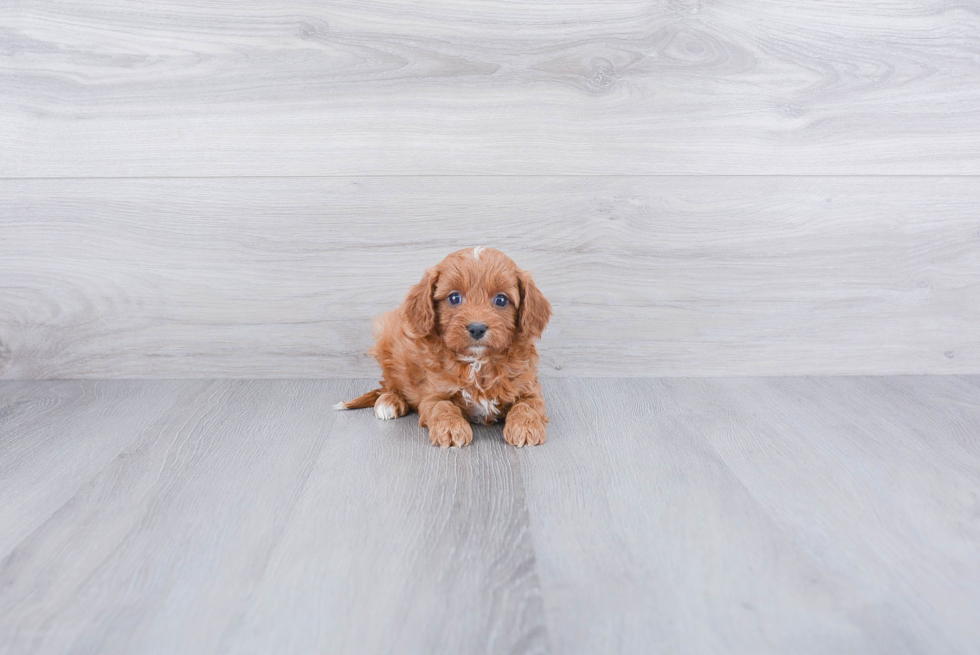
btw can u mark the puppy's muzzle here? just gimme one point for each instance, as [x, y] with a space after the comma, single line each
[477, 330]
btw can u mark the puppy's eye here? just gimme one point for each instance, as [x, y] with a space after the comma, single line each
[500, 300]
[454, 298]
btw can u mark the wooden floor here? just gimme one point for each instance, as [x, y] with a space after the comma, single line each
[741, 515]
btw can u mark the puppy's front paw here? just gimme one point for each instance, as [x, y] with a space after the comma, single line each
[524, 429]
[390, 405]
[454, 431]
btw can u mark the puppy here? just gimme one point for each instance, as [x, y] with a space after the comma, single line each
[460, 349]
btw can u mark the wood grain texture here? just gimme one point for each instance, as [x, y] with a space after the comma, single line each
[740, 515]
[810, 515]
[255, 519]
[667, 276]
[67, 432]
[123, 88]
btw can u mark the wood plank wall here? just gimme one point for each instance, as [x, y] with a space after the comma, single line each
[702, 188]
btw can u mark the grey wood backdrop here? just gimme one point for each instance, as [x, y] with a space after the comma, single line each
[234, 189]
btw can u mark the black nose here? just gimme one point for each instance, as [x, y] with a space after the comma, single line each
[477, 330]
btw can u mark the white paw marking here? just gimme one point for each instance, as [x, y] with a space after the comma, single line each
[340, 406]
[384, 411]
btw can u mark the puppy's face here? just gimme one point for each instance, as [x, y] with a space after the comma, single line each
[478, 301]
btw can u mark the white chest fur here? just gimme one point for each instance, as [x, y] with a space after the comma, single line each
[480, 407]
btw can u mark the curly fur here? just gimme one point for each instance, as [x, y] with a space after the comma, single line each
[432, 365]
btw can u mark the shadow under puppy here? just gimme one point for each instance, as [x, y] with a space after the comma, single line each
[460, 348]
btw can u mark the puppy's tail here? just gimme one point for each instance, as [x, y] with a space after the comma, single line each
[367, 400]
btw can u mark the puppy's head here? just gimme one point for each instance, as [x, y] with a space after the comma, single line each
[478, 301]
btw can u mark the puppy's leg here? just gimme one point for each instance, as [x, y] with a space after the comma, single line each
[446, 423]
[390, 405]
[525, 422]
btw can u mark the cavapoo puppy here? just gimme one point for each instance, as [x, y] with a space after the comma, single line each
[460, 348]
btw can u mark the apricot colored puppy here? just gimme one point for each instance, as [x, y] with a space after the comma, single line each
[460, 349]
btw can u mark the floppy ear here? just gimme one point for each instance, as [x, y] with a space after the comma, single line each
[419, 307]
[535, 310]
